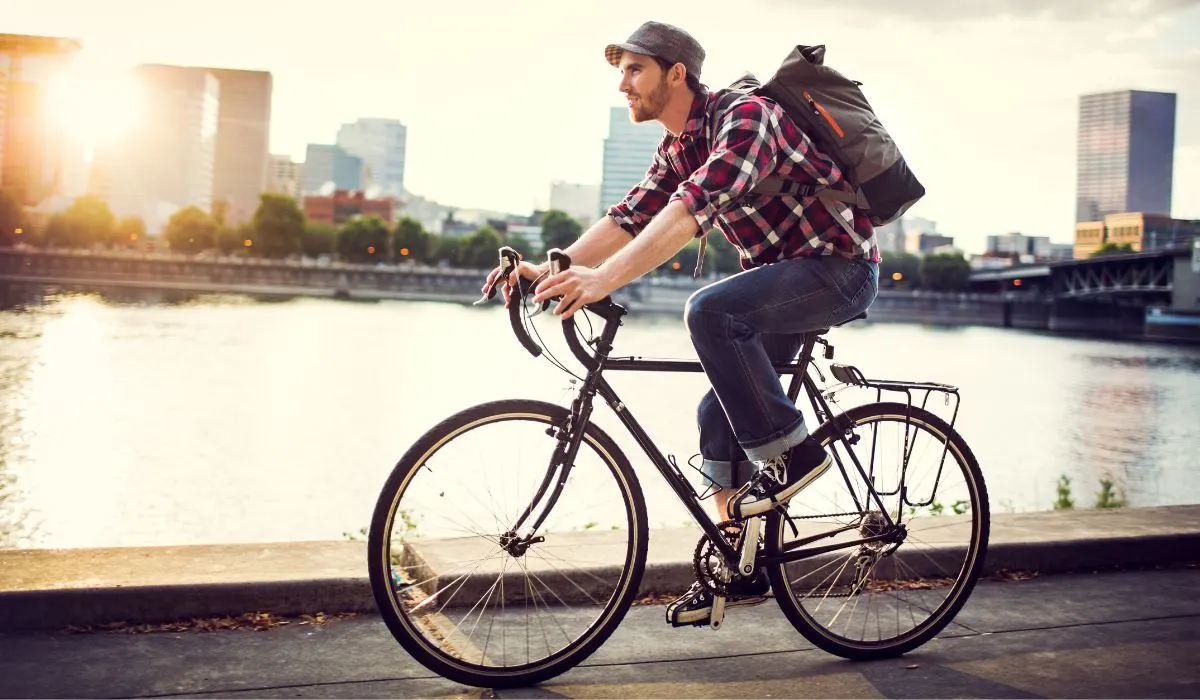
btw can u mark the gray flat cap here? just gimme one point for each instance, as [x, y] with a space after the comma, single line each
[665, 41]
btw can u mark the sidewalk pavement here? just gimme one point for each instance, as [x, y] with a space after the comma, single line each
[1116, 634]
[54, 589]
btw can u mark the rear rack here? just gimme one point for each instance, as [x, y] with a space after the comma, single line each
[850, 375]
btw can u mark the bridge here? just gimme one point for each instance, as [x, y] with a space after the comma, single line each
[1159, 290]
[1137, 274]
[1139, 295]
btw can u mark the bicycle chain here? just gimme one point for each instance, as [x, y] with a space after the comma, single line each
[859, 514]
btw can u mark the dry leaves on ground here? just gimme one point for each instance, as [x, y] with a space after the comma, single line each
[250, 621]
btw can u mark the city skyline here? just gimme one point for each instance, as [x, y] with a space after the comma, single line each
[1009, 98]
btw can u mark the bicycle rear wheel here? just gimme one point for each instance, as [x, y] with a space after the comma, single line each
[883, 599]
[466, 598]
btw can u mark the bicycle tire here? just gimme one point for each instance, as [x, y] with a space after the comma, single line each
[411, 634]
[964, 581]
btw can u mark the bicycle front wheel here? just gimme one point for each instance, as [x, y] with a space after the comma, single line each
[923, 493]
[473, 597]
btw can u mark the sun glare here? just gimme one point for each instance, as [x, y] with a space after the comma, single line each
[97, 106]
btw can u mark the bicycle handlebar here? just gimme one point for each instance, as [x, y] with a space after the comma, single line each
[559, 261]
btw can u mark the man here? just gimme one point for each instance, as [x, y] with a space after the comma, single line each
[807, 262]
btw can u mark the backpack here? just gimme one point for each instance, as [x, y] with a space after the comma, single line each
[835, 114]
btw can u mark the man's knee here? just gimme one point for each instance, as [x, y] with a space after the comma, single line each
[699, 313]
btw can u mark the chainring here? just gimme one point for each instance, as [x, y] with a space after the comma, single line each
[708, 564]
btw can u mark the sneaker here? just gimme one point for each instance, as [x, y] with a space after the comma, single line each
[782, 477]
[695, 606]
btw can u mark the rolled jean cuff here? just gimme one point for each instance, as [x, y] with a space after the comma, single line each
[722, 475]
[777, 446]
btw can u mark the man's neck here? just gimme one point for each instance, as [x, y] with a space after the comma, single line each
[675, 115]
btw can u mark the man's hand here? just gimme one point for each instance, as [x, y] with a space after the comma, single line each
[524, 269]
[577, 285]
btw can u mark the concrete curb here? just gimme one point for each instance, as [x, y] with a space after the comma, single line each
[1072, 547]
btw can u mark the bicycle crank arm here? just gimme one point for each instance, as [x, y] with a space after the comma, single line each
[749, 545]
[717, 617]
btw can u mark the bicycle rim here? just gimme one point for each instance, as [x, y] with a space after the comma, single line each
[884, 598]
[454, 596]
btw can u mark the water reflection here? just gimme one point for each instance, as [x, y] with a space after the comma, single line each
[134, 419]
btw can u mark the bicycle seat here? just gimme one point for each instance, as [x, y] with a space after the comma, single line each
[823, 331]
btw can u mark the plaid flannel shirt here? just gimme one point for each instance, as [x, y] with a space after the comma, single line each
[730, 142]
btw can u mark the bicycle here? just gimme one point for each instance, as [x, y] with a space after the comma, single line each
[557, 560]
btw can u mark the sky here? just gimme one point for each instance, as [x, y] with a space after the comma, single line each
[502, 98]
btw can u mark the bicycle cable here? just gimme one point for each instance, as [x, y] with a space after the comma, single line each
[527, 322]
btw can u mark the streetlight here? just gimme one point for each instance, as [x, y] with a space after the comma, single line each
[896, 276]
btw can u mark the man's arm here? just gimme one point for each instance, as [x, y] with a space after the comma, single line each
[598, 243]
[663, 237]
[667, 233]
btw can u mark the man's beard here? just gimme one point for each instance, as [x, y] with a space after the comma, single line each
[650, 106]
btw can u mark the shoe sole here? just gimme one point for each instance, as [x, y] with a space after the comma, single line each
[699, 614]
[753, 508]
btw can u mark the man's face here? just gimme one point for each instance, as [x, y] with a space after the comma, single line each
[645, 86]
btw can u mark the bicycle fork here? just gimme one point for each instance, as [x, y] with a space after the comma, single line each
[569, 436]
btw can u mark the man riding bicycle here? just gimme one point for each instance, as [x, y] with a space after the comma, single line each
[808, 263]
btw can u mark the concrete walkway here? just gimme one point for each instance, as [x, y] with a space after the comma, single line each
[53, 589]
[1119, 634]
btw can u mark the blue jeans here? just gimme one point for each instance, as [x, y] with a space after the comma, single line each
[741, 325]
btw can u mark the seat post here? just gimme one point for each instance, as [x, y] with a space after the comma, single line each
[804, 357]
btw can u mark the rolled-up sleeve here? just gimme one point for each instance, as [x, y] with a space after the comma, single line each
[648, 197]
[743, 153]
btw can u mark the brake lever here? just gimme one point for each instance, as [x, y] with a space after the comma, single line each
[545, 303]
[490, 294]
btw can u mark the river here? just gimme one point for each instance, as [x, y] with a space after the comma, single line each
[216, 419]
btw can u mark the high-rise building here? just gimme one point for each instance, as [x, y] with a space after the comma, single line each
[243, 140]
[580, 201]
[1125, 153]
[34, 145]
[171, 162]
[328, 168]
[381, 144]
[1018, 244]
[284, 176]
[903, 235]
[1142, 232]
[628, 153]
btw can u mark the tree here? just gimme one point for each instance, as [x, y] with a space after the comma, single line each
[945, 272]
[57, 232]
[411, 241]
[363, 240]
[11, 219]
[725, 258]
[479, 250]
[130, 232]
[190, 230]
[319, 239]
[900, 271]
[559, 230]
[1111, 248]
[229, 240]
[684, 262]
[89, 221]
[278, 226]
[447, 249]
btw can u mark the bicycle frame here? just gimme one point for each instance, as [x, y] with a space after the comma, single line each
[594, 383]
